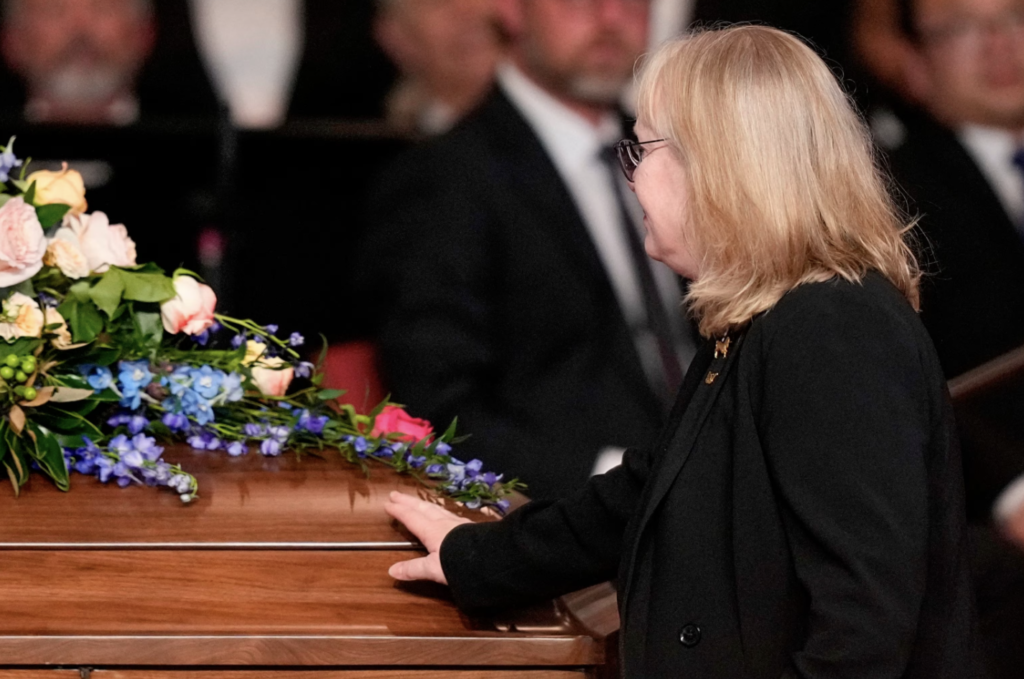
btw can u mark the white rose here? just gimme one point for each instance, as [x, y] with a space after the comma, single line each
[103, 244]
[22, 317]
[63, 252]
[22, 243]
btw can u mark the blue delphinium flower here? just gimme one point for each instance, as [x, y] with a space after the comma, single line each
[196, 407]
[99, 377]
[231, 388]
[435, 469]
[296, 340]
[314, 424]
[271, 447]
[238, 340]
[271, 329]
[175, 421]
[133, 376]
[137, 424]
[253, 430]
[206, 381]
[8, 161]
[147, 447]
[237, 448]
[443, 448]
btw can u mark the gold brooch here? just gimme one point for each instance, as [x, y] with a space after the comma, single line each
[710, 378]
[722, 347]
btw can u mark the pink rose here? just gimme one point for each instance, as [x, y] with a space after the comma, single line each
[22, 242]
[191, 310]
[103, 244]
[271, 378]
[395, 420]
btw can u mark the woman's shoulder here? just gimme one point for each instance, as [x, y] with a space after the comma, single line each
[844, 312]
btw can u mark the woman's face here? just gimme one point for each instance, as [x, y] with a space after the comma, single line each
[661, 186]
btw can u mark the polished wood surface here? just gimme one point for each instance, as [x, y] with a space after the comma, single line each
[307, 674]
[250, 499]
[281, 563]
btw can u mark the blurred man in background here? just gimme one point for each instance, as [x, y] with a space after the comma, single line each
[510, 270]
[445, 51]
[79, 58]
[962, 164]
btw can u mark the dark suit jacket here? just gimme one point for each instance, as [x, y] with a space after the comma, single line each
[801, 515]
[496, 307]
[973, 298]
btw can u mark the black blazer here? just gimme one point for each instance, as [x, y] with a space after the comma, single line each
[973, 296]
[801, 515]
[495, 306]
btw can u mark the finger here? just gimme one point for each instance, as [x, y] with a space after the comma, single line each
[423, 568]
[429, 509]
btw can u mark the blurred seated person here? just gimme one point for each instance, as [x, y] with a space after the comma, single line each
[79, 58]
[446, 52]
[962, 165]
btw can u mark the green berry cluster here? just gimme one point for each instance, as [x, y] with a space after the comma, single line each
[18, 369]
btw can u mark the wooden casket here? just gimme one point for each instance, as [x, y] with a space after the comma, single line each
[280, 567]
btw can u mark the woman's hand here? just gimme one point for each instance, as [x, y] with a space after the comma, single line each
[430, 524]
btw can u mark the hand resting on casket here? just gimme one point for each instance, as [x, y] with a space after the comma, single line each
[430, 524]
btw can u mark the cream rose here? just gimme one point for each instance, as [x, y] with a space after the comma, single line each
[103, 244]
[22, 317]
[191, 310]
[65, 186]
[253, 350]
[63, 253]
[62, 339]
[270, 377]
[22, 243]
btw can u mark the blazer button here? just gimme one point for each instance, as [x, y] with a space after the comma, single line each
[689, 636]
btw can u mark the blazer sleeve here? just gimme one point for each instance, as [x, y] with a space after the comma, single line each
[845, 421]
[546, 548]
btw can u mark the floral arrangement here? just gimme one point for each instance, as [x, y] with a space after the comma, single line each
[102, 359]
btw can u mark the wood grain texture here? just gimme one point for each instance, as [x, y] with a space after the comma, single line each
[101, 586]
[245, 499]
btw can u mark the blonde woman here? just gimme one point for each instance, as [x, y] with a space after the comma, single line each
[802, 514]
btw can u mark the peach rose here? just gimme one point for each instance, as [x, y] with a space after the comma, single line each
[191, 310]
[395, 420]
[102, 243]
[271, 377]
[22, 317]
[65, 187]
[253, 350]
[22, 243]
[62, 339]
[63, 253]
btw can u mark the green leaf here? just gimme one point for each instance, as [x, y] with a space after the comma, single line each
[107, 293]
[449, 433]
[30, 193]
[26, 288]
[48, 455]
[149, 328]
[147, 287]
[4, 198]
[85, 321]
[329, 394]
[51, 214]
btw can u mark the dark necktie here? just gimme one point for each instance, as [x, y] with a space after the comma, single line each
[657, 316]
[1018, 162]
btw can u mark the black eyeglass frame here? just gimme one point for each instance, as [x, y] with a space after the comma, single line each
[628, 152]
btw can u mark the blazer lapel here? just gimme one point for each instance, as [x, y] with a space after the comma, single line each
[681, 444]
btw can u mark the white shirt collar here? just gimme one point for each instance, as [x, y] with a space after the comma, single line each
[569, 138]
[992, 149]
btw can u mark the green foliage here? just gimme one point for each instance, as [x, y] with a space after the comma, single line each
[83, 319]
[144, 285]
[50, 215]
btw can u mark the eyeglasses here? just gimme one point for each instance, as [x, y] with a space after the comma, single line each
[630, 154]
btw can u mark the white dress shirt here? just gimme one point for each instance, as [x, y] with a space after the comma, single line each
[992, 150]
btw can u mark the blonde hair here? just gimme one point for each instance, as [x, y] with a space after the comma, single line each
[783, 184]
